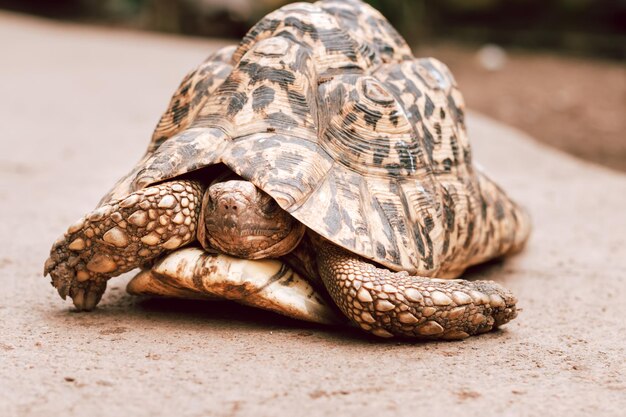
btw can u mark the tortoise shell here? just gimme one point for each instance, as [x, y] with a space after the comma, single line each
[324, 107]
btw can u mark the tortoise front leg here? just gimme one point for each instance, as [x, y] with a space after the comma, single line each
[396, 304]
[121, 235]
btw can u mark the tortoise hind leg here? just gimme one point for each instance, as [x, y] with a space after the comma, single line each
[122, 235]
[395, 304]
[268, 284]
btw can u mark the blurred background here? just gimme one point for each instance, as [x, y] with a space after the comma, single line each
[553, 68]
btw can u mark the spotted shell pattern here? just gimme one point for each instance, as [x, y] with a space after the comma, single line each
[324, 107]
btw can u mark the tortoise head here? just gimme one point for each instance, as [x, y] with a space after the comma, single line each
[240, 220]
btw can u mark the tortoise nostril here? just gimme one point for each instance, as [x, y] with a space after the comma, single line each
[229, 205]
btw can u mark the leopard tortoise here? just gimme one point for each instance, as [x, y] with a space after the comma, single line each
[316, 160]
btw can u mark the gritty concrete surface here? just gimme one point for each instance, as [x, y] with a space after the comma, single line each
[77, 108]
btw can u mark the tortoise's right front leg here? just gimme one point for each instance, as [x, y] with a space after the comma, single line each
[122, 235]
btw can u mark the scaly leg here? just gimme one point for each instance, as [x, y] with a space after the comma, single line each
[390, 304]
[122, 235]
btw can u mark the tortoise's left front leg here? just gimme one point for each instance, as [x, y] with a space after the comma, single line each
[122, 235]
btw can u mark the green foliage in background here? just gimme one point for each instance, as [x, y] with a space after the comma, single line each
[594, 27]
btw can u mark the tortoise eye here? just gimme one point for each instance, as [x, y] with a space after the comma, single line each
[270, 207]
[142, 182]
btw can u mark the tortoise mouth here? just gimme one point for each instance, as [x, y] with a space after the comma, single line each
[223, 232]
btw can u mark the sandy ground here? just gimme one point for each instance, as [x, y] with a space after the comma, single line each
[77, 108]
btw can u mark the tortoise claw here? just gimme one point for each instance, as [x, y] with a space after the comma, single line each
[62, 278]
[60, 267]
[86, 297]
[48, 266]
[60, 273]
